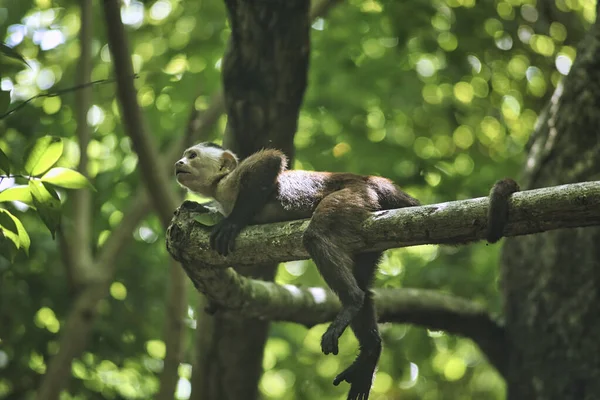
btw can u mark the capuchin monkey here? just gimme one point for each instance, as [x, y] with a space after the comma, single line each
[260, 189]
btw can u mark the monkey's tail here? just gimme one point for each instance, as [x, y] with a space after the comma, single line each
[498, 208]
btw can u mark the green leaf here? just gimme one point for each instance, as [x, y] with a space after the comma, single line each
[208, 219]
[4, 163]
[8, 249]
[9, 227]
[4, 101]
[14, 230]
[47, 202]
[45, 152]
[66, 178]
[23, 235]
[12, 53]
[20, 193]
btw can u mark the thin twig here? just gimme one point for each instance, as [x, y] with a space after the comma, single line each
[60, 92]
[15, 176]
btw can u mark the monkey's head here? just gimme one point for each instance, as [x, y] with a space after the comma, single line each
[203, 166]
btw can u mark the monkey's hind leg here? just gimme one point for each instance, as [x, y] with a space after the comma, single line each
[332, 224]
[360, 373]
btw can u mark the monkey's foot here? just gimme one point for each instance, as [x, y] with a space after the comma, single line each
[222, 236]
[329, 341]
[360, 377]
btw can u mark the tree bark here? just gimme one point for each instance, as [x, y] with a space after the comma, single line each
[264, 78]
[455, 222]
[265, 73]
[551, 281]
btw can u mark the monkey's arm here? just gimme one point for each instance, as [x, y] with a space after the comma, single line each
[256, 179]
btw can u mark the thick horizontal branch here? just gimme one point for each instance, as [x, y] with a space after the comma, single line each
[532, 211]
[233, 293]
[437, 311]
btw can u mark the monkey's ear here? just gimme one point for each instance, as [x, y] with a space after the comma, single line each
[228, 161]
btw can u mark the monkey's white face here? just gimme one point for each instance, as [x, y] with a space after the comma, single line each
[201, 166]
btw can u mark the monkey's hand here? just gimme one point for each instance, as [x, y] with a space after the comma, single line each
[223, 234]
[192, 206]
[360, 377]
[330, 340]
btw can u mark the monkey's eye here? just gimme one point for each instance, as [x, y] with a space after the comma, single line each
[192, 155]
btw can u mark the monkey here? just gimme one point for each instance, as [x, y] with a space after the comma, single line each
[260, 189]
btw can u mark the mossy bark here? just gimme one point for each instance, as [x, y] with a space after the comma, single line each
[551, 281]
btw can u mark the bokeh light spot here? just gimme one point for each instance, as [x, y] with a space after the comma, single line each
[463, 92]
[118, 291]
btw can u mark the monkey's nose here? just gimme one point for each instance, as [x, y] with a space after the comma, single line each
[179, 163]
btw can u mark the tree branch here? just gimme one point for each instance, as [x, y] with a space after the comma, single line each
[455, 222]
[76, 247]
[59, 92]
[174, 333]
[438, 311]
[156, 182]
[80, 241]
[153, 175]
[204, 350]
[75, 333]
[311, 306]
[121, 235]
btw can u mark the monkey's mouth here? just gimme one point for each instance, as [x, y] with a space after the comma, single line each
[179, 171]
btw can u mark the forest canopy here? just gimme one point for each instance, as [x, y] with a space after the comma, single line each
[439, 96]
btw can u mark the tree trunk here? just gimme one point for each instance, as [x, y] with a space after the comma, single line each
[551, 280]
[264, 79]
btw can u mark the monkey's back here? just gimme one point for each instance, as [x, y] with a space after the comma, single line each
[298, 194]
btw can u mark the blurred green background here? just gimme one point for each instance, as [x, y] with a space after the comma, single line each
[438, 95]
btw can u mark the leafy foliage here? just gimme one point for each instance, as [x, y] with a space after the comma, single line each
[4, 163]
[13, 230]
[4, 101]
[440, 96]
[39, 193]
[11, 53]
[43, 155]
[66, 178]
